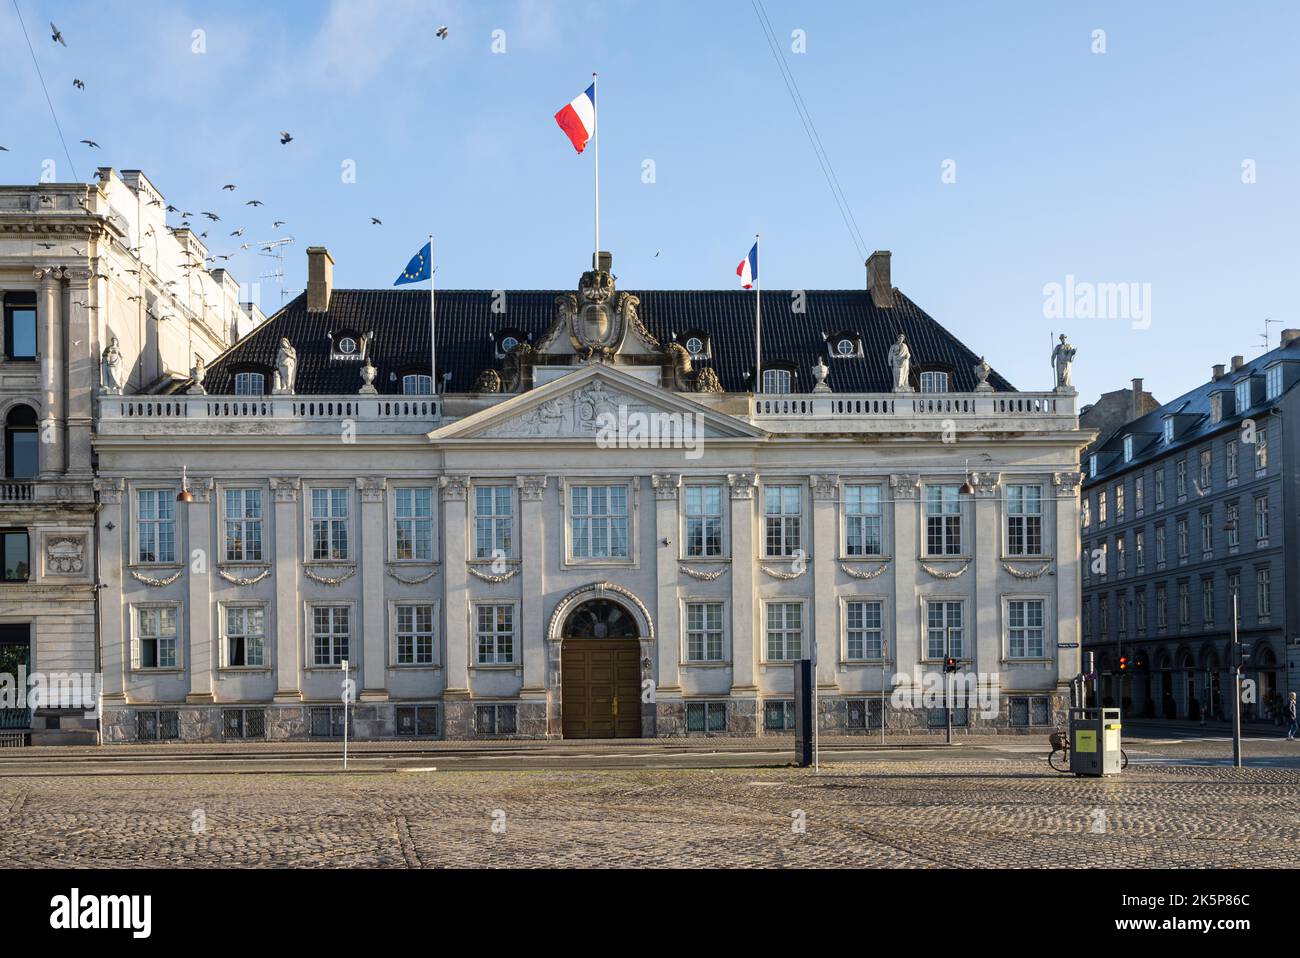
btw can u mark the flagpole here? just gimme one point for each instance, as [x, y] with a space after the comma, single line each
[433, 328]
[758, 320]
[595, 135]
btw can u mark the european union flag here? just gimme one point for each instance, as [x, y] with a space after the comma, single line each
[417, 270]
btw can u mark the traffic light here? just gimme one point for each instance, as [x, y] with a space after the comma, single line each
[1123, 663]
[950, 665]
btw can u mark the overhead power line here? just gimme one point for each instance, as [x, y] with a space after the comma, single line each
[53, 115]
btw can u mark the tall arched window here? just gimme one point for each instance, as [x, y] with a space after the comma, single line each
[22, 443]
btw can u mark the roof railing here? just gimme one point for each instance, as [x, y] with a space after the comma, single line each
[328, 408]
[884, 406]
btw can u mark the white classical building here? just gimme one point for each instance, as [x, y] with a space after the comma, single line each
[596, 528]
[84, 269]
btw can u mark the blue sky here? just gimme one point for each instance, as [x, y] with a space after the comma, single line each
[1117, 167]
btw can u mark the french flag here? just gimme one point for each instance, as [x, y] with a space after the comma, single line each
[748, 269]
[578, 119]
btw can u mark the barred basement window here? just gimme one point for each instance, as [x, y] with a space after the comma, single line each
[327, 722]
[706, 716]
[417, 720]
[243, 723]
[1029, 710]
[865, 713]
[496, 719]
[778, 716]
[157, 725]
[960, 718]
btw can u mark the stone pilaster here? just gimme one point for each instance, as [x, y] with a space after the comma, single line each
[82, 367]
[1065, 506]
[825, 549]
[288, 551]
[744, 604]
[904, 490]
[455, 614]
[374, 540]
[52, 453]
[201, 662]
[667, 529]
[113, 651]
[986, 554]
[532, 558]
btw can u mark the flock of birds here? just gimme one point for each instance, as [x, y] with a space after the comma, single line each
[285, 137]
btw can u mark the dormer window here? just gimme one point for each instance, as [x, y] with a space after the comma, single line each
[508, 343]
[347, 346]
[1092, 465]
[1216, 407]
[934, 382]
[1128, 448]
[507, 339]
[695, 346]
[778, 381]
[695, 342]
[417, 384]
[1168, 429]
[1243, 395]
[250, 384]
[1273, 382]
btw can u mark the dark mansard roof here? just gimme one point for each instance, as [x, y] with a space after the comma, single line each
[469, 329]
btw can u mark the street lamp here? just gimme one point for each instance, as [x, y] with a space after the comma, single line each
[1230, 526]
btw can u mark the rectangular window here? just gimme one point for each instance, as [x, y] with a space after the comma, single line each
[1273, 382]
[1207, 535]
[243, 525]
[704, 631]
[243, 723]
[864, 714]
[784, 631]
[156, 638]
[1128, 448]
[598, 515]
[778, 716]
[1119, 501]
[494, 522]
[245, 637]
[943, 633]
[1261, 521]
[1121, 559]
[1160, 545]
[777, 381]
[863, 622]
[1101, 507]
[1160, 487]
[782, 514]
[703, 520]
[1233, 528]
[1207, 471]
[329, 524]
[1140, 611]
[1025, 628]
[1087, 617]
[1103, 615]
[1261, 452]
[20, 325]
[1182, 539]
[496, 634]
[1085, 510]
[1167, 429]
[1162, 607]
[1243, 396]
[1234, 590]
[155, 525]
[496, 719]
[1207, 602]
[1180, 478]
[1230, 459]
[413, 523]
[1139, 552]
[414, 634]
[417, 720]
[249, 384]
[1139, 497]
[1024, 520]
[862, 521]
[1184, 604]
[934, 382]
[1263, 594]
[157, 725]
[942, 520]
[417, 384]
[1029, 711]
[706, 716]
[17, 564]
[331, 630]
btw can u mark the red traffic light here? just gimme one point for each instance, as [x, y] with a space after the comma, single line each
[950, 665]
[1123, 663]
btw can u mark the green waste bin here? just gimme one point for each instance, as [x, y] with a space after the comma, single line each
[1095, 742]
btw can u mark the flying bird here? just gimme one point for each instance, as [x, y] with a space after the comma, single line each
[277, 224]
[212, 216]
[55, 35]
[79, 84]
[238, 232]
[230, 186]
[285, 137]
[442, 33]
[91, 143]
[375, 221]
[254, 203]
[45, 245]
[172, 209]
[4, 149]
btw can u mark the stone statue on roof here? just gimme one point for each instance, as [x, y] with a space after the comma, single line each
[112, 368]
[286, 368]
[1063, 363]
[900, 362]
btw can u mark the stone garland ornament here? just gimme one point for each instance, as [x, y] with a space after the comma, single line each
[418, 580]
[244, 581]
[491, 577]
[1027, 573]
[704, 575]
[943, 573]
[326, 580]
[784, 576]
[857, 574]
[157, 583]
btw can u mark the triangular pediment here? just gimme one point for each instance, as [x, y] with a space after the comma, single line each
[588, 403]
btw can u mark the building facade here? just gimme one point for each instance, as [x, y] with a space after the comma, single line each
[82, 268]
[594, 529]
[1184, 508]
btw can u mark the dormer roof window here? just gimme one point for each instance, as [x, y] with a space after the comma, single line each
[1128, 448]
[1243, 395]
[1168, 429]
[348, 346]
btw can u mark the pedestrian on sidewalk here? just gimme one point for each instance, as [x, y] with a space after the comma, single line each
[1290, 718]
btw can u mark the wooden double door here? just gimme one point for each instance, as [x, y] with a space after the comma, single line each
[601, 695]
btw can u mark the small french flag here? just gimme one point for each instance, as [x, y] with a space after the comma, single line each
[578, 119]
[748, 269]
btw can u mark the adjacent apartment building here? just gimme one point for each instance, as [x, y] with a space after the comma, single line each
[596, 526]
[1185, 507]
[85, 270]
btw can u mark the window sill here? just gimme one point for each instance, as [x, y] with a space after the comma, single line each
[409, 563]
[717, 558]
[507, 667]
[1042, 557]
[139, 670]
[704, 665]
[415, 667]
[865, 558]
[243, 669]
[1034, 660]
[863, 663]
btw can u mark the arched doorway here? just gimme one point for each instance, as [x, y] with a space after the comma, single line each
[600, 668]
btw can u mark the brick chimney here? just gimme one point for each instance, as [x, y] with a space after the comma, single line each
[1238, 362]
[1290, 336]
[320, 279]
[1219, 370]
[1137, 398]
[878, 278]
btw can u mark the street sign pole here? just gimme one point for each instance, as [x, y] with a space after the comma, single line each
[1236, 687]
[345, 715]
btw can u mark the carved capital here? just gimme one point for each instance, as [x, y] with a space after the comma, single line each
[905, 485]
[454, 488]
[531, 488]
[110, 491]
[742, 484]
[286, 489]
[666, 485]
[985, 484]
[371, 488]
[826, 486]
[1068, 482]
